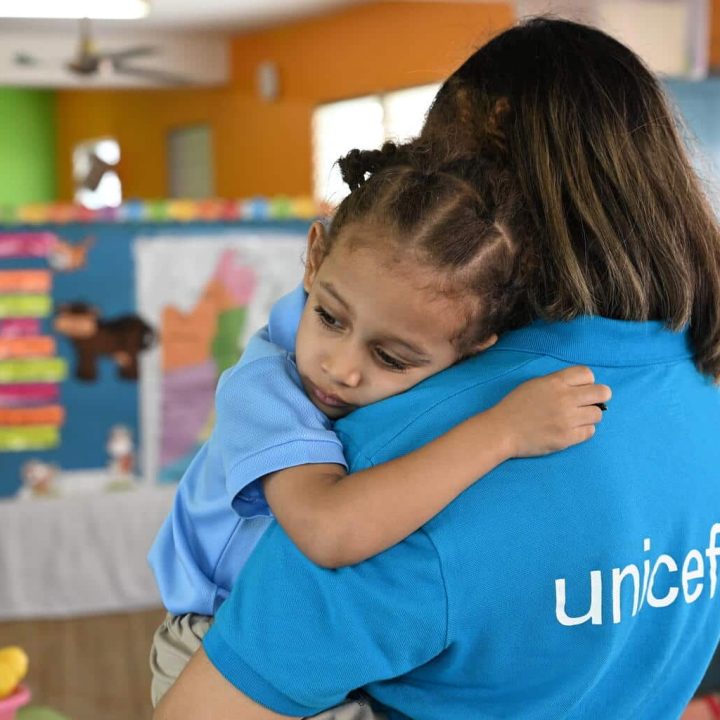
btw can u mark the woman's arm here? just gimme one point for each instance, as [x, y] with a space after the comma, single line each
[201, 692]
[337, 519]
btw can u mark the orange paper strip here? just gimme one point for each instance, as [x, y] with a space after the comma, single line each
[27, 347]
[25, 281]
[50, 415]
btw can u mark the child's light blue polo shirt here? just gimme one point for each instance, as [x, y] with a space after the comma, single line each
[580, 585]
[264, 422]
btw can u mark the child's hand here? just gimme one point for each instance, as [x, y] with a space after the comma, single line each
[551, 413]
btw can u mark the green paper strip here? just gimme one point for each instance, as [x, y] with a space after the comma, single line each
[25, 306]
[33, 370]
[34, 437]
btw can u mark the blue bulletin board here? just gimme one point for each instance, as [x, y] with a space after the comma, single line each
[108, 281]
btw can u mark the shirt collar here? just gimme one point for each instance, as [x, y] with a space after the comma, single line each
[600, 341]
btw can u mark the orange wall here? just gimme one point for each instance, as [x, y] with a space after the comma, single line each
[265, 147]
[715, 34]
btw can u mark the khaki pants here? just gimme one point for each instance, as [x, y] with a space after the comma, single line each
[177, 639]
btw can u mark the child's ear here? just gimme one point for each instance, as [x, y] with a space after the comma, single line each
[485, 344]
[316, 252]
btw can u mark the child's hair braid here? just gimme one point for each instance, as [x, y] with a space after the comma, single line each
[454, 216]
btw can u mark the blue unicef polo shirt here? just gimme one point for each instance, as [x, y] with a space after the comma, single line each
[264, 422]
[582, 584]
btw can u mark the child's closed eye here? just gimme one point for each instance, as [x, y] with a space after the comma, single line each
[389, 361]
[328, 320]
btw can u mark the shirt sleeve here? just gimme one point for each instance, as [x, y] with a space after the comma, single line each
[298, 638]
[265, 422]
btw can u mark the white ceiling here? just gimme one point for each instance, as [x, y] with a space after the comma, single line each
[189, 37]
[219, 15]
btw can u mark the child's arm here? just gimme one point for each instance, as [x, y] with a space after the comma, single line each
[337, 519]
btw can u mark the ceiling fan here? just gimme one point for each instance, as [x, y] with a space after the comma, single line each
[90, 61]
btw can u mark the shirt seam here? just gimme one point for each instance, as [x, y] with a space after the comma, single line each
[667, 361]
[355, 454]
[445, 399]
[247, 458]
[368, 461]
[444, 586]
[269, 683]
[283, 356]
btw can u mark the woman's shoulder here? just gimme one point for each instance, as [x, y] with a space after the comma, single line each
[402, 423]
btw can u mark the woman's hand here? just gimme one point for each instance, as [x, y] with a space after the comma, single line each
[552, 412]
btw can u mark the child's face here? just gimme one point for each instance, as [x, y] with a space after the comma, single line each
[371, 328]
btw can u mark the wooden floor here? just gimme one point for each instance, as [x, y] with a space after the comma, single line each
[92, 668]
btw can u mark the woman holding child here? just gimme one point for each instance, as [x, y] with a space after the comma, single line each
[581, 584]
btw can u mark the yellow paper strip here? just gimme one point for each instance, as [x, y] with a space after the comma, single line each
[25, 306]
[33, 370]
[33, 437]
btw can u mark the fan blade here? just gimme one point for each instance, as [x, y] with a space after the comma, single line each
[158, 75]
[84, 65]
[23, 59]
[133, 52]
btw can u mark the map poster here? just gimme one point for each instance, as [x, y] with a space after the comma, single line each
[206, 296]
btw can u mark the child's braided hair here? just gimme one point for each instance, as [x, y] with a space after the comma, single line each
[454, 215]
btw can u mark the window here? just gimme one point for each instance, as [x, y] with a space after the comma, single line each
[97, 184]
[190, 158]
[363, 123]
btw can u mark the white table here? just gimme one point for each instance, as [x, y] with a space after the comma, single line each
[81, 553]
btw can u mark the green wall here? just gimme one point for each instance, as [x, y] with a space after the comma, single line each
[27, 146]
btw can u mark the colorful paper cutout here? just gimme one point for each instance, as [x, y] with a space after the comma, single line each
[33, 371]
[30, 416]
[19, 327]
[27, 347]
[29, 394]
[257, 208]
[33, 437]
[21, 245]
[187, 336]
[25, 281]
[49, 415]
[122, 339]
[18, 306]
[69, 257]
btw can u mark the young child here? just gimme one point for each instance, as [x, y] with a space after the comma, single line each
[406, 281]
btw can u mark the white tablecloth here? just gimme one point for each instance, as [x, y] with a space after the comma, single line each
[79, 554]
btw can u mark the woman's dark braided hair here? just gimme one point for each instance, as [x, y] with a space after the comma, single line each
[453, 215]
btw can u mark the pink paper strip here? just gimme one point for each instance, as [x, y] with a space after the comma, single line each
[26, 244]
[29, 394]
[19, 327]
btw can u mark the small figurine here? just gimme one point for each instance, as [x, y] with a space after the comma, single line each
[39, 478]
[13, 669]
[121, 449]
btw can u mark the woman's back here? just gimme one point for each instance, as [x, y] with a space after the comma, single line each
[579, 581]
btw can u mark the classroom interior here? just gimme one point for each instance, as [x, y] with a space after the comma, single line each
[171, 185]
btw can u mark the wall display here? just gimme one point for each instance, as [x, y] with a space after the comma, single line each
[279, 208]
[205, 296]
[31, 416]
[83, 317]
